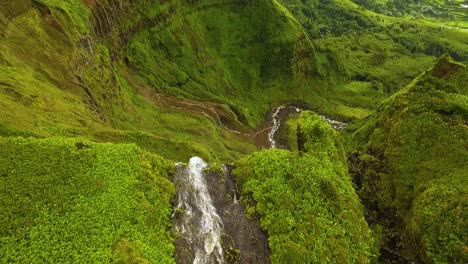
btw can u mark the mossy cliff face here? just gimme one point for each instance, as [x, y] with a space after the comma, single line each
[410, 167]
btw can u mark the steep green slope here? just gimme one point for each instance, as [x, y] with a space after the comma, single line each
[305, 200]
[61, 77]
[100, 67]
[409, 162]
[72, 201]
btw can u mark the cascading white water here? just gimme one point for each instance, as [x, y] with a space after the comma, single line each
[277, 123]
[199, 223]
[335, 124]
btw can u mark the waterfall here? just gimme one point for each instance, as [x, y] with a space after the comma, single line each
[277, 123]
[195, 216]
[278, 117]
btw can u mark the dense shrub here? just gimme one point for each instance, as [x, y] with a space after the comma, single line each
[72, 201]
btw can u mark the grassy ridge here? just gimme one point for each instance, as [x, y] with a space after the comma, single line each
[72, 201]
[305, 199]
[410, 163]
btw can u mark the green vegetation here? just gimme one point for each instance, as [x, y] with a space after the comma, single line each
[71, 68]
[51, 86]
[409, 162]
[231, 52]
[450, 12]
[305, 199]
[176, 79]
[373, 55]
[73, 201]
[71, 11]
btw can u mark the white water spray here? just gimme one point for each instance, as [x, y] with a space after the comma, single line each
[200, 225]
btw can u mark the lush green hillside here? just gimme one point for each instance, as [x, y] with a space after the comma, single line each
[72, 201]
[99, 69]
[448, 12]
[375, 55]
[142, 81]
[75, 69]
[409, 162]
[305, 199]
[115, 71]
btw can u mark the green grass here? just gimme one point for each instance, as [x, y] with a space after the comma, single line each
[249, 57]
[306, 202]
[438, 11]
[73, 201]
[43, 96]
[221, 51]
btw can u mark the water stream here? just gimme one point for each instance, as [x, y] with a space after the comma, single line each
[334, 123]
[280, 114]
[212, 225]
[277, 121]
[195, 217]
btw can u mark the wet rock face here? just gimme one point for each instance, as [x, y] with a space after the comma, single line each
[243, 239]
